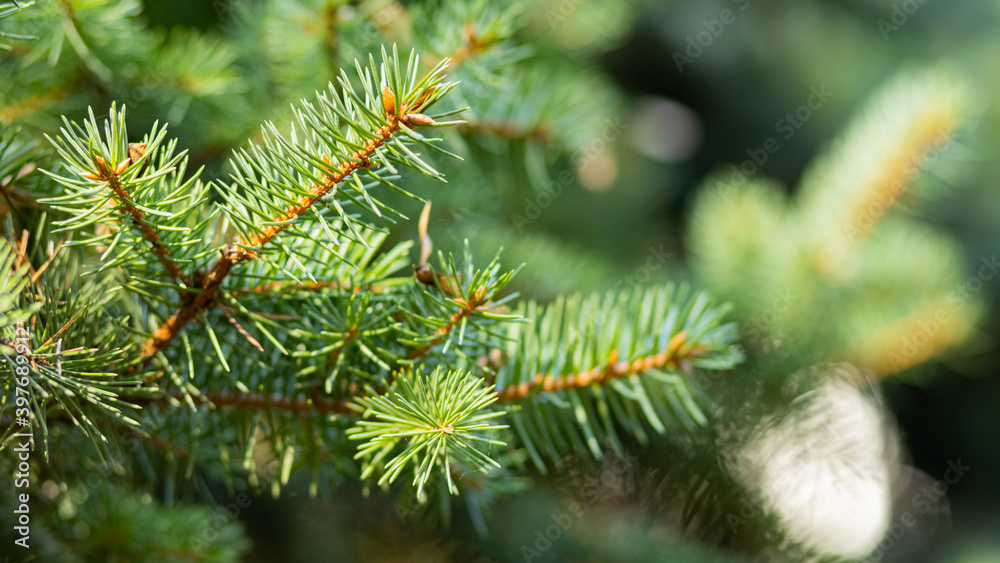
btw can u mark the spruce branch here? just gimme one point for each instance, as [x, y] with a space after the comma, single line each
[843, 240]
[472, 46]
[451, 301]
[18, 183]
[312, 286]
[69, 340]
[464, 32]
[352, 347]
[465, 311]
[370, 123]
[678, 355]
[105, 173]
[602, 364]
[71, 27]
[110, 181]
[13, 280]
[441, 417]
[877, 159]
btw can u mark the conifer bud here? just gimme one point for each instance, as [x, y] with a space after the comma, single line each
[423, 274]
[388, 101]
[136, 151]
[418, 119]
[419, 104]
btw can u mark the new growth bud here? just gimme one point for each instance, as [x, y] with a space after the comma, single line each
[136, 151]
[388, 101]
[418, 119]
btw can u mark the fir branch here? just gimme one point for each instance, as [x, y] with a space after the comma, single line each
[242, 252]
[357, 160]
[455, 298]
[467, 310]
[677, 355]
[75, 381]
[849, 191]
[13, 281]
[553, 371]
[400, 112]
[111, 176]
[110, 180]
[468, 31]
[928, 131]
[889, 349]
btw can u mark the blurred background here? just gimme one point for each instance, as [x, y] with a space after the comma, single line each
[593, 148]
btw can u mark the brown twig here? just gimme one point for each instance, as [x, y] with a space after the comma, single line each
[674, 355]
[109, 175]
[468, 309]
[243, 250]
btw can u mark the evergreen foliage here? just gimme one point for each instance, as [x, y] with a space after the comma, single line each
[196, 327]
